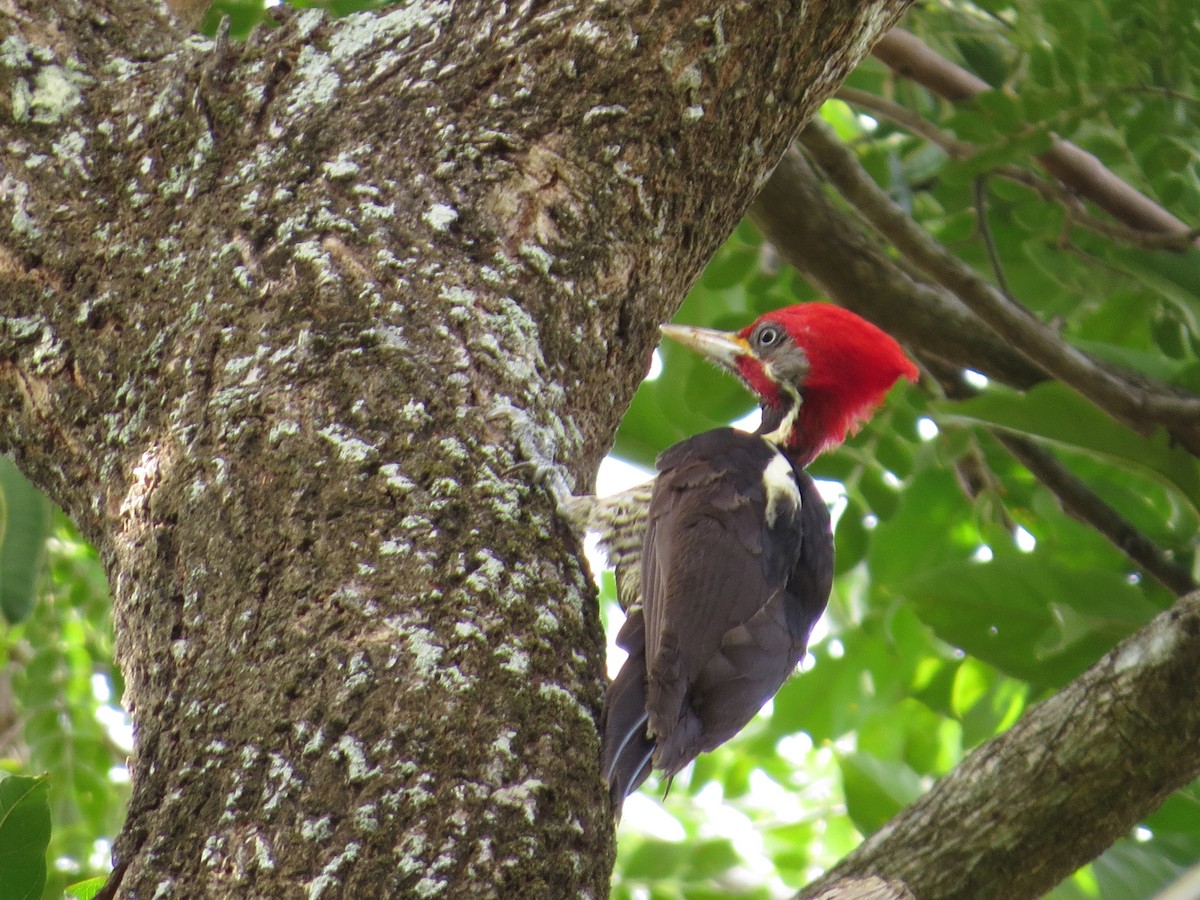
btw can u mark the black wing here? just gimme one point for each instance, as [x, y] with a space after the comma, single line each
[734, 575]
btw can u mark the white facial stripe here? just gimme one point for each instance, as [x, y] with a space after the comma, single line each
[784, 431]
[780, 484]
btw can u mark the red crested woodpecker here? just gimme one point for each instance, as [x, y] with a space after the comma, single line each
[725, 565]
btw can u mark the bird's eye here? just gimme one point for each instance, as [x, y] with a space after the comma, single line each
[768, 336]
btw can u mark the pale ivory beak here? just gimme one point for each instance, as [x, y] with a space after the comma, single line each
[723, 347]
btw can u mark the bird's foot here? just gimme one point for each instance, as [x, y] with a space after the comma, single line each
[535, 446]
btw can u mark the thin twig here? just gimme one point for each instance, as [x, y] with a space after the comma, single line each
[1156, 91]
[985, 233]
[1129, 403]
[906, 119]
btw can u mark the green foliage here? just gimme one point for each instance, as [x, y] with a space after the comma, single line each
[964, 593]
[63, 681]
[24, 835]
[86, 889]
[243, 16]
[1057, 415]
[25, 517]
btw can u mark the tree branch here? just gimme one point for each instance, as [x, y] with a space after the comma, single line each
[908, 55]
[865, 889]
[906, 119]
[1074, 774]
[1051, 191]
[1141, 408]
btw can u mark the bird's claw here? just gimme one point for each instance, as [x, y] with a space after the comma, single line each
[536, 450]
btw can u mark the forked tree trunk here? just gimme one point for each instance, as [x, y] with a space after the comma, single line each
[280, 324]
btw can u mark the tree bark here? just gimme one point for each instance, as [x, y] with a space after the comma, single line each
[283, 325]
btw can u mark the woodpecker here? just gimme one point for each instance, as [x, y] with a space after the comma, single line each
[725, 564]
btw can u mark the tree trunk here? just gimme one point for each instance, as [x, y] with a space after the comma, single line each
[283, 324]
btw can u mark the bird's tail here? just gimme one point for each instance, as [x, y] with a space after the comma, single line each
[627, 749]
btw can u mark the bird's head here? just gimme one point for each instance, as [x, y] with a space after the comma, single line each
[818, 371]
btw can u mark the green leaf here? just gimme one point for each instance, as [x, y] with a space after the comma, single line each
[27, 519]
[1055, 413]
[1178, 815]
[1029, 616]
[747, 233]
[823, 703]
[970, 124]
[911, 733]
[1002, 110]
[923, 531]
[1170, 335]
[1039, 218]
[971, 683]
[876, 790]
[996, 710]
[1130, 869]
[883, 498]
[1041, 66]
[88, 888]
[736, 776]
[24, 836]
[711, 858]
[851, 538]
[841, 116]
[730, 266]
[1154, 364]
[688, 398]
[1173, 276]
[957, 227]
[986, 57]
[654, 860]
[67, 641]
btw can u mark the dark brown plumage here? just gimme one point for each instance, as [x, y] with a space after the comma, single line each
[724, 631]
